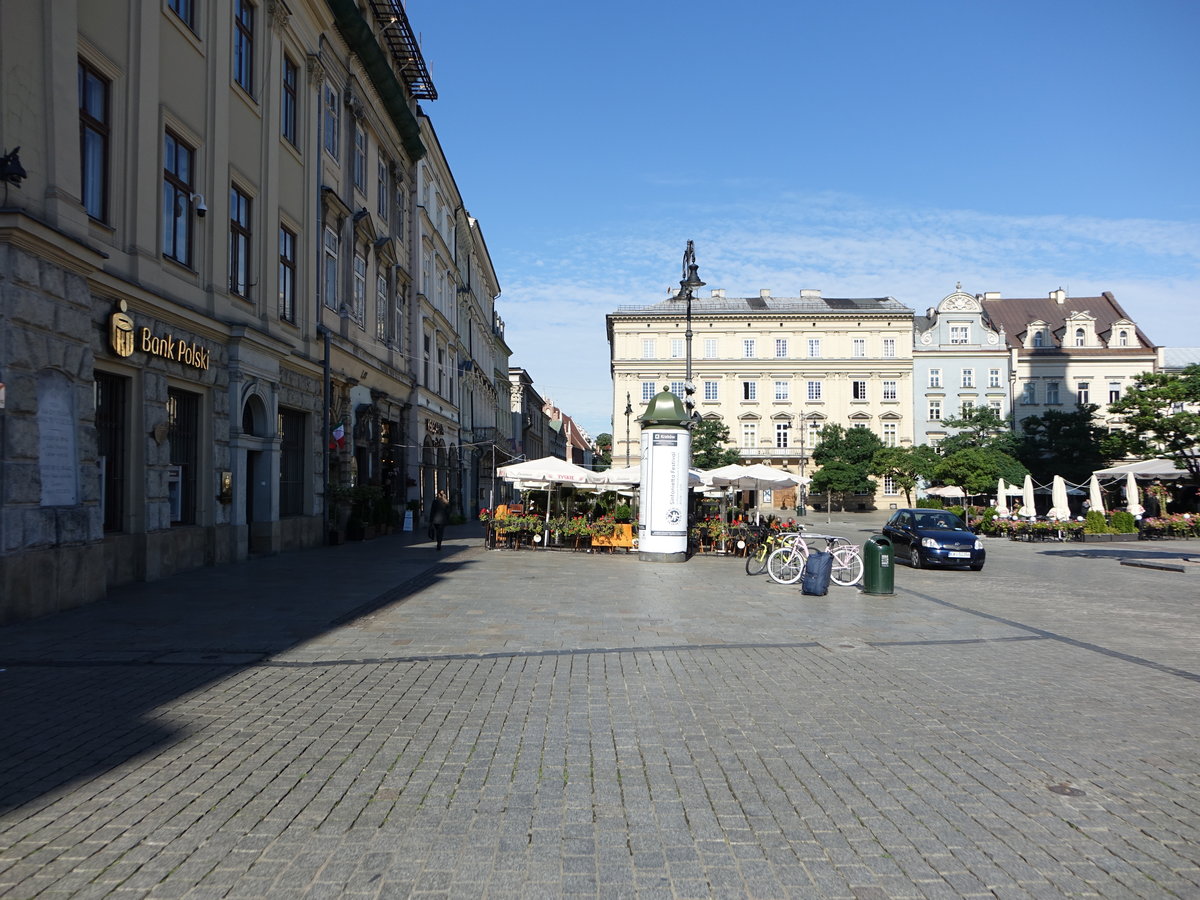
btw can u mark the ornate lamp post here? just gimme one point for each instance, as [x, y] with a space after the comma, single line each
[687, 285]
[628, 413]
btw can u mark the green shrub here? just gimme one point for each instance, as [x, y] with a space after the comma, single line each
[1094, 523]
[1123, 522]
[956, 510]
[623, 513]
[931, 503]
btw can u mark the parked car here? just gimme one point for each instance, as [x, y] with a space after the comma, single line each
[933, 537]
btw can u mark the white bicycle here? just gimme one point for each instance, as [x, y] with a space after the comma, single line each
[786, 565]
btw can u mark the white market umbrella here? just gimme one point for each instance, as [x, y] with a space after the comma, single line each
[548, 468]
[949, 491]
[1131, 496]
[625, 476]
[1095, 495]
[1001, 498]
[1028, 508]
[757, 477]
[1058, 500]
[1146, 469]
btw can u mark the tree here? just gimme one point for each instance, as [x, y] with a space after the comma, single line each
[1069, 444]
[709, 437]
[978, 426]
[906, 466]
[976, 470]
[845, 457]
[602, 459]
[1162, 413]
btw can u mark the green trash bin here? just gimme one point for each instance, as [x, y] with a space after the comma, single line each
[879, 572]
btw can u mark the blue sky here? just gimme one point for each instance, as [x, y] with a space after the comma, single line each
[859, 148]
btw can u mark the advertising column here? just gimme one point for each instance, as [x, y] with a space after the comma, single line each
[666, 455]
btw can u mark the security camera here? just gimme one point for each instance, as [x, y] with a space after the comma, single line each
[201, 208]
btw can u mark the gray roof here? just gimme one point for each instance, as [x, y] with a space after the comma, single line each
[1180, 357]
[673, 306]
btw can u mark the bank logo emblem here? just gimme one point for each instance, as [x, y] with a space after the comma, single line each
[120, 331]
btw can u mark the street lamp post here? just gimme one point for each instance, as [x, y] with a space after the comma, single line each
[687, 286]
[628, 413]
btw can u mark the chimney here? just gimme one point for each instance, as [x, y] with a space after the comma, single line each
[810, 294]
[718, 293]
[990, 295]
[764, 293]
[1058, 296]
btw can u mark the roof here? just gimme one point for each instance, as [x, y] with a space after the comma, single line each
[1180, 357]
[1014, 315]
[740, 306]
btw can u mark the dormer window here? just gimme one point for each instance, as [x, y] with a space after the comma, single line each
[1038, 339]
[1122, 338]
[1080, 337]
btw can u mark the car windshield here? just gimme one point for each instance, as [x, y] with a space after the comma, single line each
[943, 521]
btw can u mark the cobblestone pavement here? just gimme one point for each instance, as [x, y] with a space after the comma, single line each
[380, 720]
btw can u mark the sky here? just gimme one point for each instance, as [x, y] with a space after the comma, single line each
[860, 148]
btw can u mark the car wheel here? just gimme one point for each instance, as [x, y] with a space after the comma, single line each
[976, 567]
[914, 557]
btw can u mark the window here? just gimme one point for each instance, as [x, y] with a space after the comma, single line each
[781, 433]
[677, 389]
[748, 348]
[360, 158]
[781, 390]
[710, 348]
[287, 274]
[814, 348]
[243, 45]
[1114, 391]
[425, 359]
[710, 390]
[93, 141]
[960, 334]
[287, 112]
[1029, 396]
[183, 9]
[889, 347]
[381, 307]
[814, 432]
[291, 462]
[968, 378]
[889, 434]
[183, 436]
[860, 347]
[676, 348]
[441, 371]
[966, 407]
[333, 120]
[1051, 393]
[749, 390]
[994, 406]
[889, 483]
[935, 378]
[1038, 339]
[112, 416]
[814, 390]
[648, 348]
[647, 391]
[858, 390]
[239, 243]
[935, 410]
[1082, 392]
[1122, 338]
[994, 378]
[382, 193]
[889, 390]
[359, 304]
[332, 246]
[781, 348]
[1080, 337]
[399, 207]
[749, 434]
[178, 162]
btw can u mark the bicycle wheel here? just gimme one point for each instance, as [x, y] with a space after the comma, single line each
[786, 565]
[847, 566]
[756, 561]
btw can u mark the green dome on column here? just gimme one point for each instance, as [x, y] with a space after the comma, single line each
[664, 409]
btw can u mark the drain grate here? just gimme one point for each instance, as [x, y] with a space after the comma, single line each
[1065, 790]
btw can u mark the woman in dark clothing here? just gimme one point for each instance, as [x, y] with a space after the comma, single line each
[439, 515]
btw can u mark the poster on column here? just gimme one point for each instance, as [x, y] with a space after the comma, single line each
[663, 520]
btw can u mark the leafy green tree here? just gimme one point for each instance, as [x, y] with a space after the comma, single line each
[846, 458]
[1069, 444]
[979, 426]
[1162, 413]
[907, 466]
[709, 440]
[602, 458]
[976, 470]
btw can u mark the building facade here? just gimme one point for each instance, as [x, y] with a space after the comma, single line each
[774, 370]
[212, 294]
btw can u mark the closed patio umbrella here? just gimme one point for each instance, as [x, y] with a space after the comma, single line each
[1131, 496]
[1095, 495]
[1001, 498]
[1058, 496]
[1028, 508]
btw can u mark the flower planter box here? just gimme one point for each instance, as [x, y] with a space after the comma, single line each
[622, 536]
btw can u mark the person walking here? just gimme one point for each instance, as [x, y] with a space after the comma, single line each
[439, 516]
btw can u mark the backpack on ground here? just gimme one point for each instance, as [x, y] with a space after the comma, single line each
[814, 581]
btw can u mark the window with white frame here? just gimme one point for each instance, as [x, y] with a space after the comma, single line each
[1039, 339]
[1080, 337]
[647, 391]
[966, 407]
[994, 378]
[814, 348]
[358, 309]
[677, 389]
[710, 390]
[996, 407]
[858, 390]
[968, 378]
[889, 390]
[889, 434]
[382, 191]
[360, 158]
[748, 349]
[813, 429]
[860, 347]
[1122, 338]
[1114, 391]
[332, 120]
[381, 307]
[750, 434]
[1029, 394]
[749, 390]
[935, 410]
[935, 378]
[781, 433]
[960, 334]
[889, 348]
[1052, 393]
[710, 348]
[647, 348]
[676, 348]
[332, 247]
[782, 390]
[889, 483]
[1082, 392]
[781, 348]
[814, 390]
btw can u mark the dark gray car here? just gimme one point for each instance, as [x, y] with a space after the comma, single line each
[933, 537]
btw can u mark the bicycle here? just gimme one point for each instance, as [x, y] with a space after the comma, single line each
[767, 542]
[785, 564]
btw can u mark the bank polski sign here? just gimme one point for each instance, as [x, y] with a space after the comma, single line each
[662, 520]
